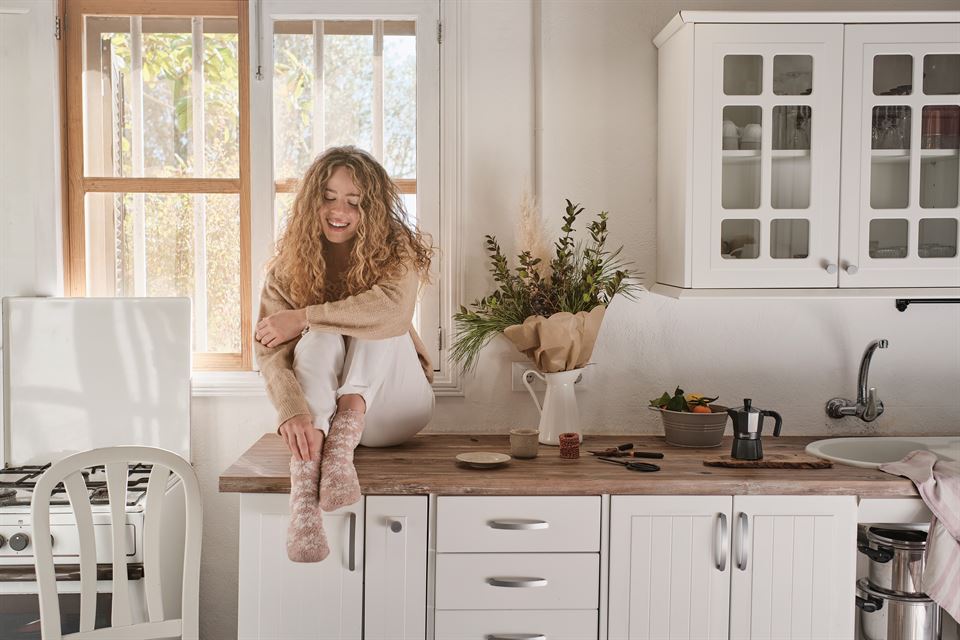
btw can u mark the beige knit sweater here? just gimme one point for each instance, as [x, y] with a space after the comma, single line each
[383, 311]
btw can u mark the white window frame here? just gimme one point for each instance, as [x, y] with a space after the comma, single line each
[438, 166]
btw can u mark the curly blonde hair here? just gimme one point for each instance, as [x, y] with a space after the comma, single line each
[385, 244]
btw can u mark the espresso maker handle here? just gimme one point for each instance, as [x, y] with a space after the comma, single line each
[778, 420]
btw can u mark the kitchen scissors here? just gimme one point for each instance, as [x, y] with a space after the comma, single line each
[633, 466]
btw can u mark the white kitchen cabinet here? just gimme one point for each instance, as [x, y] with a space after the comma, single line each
[669, 567]
[751, 566]
[794, 567]
[280, 599]
[395, 579]
[753, 112]
[901, 151]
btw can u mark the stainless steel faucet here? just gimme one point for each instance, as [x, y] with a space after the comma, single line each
[867, 407]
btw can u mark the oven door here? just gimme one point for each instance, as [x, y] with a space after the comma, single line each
[20, 604]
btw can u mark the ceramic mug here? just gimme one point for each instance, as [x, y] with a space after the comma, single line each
[524, 443]
[750, 136]
[731, 136]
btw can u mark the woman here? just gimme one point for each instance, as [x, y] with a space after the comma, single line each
[342, 362]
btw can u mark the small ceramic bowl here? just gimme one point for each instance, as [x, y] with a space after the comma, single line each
[683, 429]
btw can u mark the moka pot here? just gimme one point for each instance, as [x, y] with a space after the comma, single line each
[747, 426]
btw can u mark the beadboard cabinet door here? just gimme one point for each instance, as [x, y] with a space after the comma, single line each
[395, 583]
[669, 567]
[793, 567]
[284, 600]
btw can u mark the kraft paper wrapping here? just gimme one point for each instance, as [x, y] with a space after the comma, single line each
[561, 342]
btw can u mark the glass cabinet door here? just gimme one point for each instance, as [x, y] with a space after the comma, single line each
[902, 139]
[766, 141]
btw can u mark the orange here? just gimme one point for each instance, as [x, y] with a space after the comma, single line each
[701, 408]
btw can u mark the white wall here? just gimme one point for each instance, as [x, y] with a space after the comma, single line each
[593, 84]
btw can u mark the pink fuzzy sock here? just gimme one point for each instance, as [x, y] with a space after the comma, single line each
[339, 485]
[306, 539]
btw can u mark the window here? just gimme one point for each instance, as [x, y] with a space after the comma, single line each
[365, 74]
[158, 171]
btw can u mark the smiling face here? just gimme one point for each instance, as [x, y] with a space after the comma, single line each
[340, 213]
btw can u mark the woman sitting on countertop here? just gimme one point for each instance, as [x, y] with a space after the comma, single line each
[342, 362]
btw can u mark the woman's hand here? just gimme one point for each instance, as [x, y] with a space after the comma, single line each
[281, 327]
[302, 438]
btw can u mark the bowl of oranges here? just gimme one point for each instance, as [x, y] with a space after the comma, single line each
[691, 419]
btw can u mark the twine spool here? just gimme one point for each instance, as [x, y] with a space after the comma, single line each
[570, 445]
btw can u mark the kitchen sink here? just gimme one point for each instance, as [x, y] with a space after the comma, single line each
[871, 452]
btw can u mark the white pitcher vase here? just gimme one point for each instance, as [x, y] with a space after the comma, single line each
[558, 413]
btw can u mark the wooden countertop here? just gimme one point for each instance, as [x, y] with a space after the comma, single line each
[426, 464]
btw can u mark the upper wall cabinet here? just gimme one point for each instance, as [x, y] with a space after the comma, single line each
[799, 152]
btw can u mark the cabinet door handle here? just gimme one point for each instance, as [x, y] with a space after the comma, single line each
[396, 526]
[851, 269]
[518, 524]
[831, 268]
[522, 583]
[722, 542]
[352, 557]
[743, 530]
[515, 636]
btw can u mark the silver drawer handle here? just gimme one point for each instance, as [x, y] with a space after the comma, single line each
[722, 542]
[515, 636]
[517, 582]
[744, 531]
[518, 524]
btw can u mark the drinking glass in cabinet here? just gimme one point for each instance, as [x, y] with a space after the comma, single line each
[888, 238]
[739, 239]
[793, 75]
[941, 74]
[790, 169]
[740, 187]
[940, 156]
[891, 127]
[893, 75]
[938, 238]
[742, 75]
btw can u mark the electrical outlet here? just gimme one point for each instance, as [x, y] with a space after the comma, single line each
[517, 369]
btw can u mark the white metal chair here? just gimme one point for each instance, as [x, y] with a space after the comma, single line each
[116, 461]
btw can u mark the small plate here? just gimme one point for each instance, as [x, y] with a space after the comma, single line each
[483, 459]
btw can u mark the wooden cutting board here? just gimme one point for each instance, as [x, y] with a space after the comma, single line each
[771, 461]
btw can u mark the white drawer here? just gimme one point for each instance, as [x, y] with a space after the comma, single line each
[518, 580]
[518, 523]
[493, 625]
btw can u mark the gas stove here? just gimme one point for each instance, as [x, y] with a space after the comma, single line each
[17, 485]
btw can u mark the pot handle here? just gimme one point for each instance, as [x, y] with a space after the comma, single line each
[869, 604]
[778, 421]
[526, 383]
[880, 554]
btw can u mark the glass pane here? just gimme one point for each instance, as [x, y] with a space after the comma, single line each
[400, 99]
[293, 128]
[221, 99]
[940, 158]
[941, 74]
[742, 75]
[938, 238]
[893, 75]
[890, 166]
[793, 75]
[790, 170]
[148, 111]
[160, 244]
[740, 239]
[348, 89]
[741, 165]
[283, 205]
[888, 238]
[789, 238]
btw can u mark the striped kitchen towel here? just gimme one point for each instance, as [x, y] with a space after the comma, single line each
[938, 482]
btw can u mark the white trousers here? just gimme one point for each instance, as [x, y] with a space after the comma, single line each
[386, 373]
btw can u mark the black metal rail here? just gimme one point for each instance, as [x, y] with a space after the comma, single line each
[903, 303]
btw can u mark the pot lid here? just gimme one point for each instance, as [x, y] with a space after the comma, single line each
[905, 538]
[864, 586]
[84, 373]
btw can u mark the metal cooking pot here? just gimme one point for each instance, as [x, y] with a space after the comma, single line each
[884, 616]
[896, 558]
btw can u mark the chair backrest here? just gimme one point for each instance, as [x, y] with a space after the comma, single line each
[116, 461]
